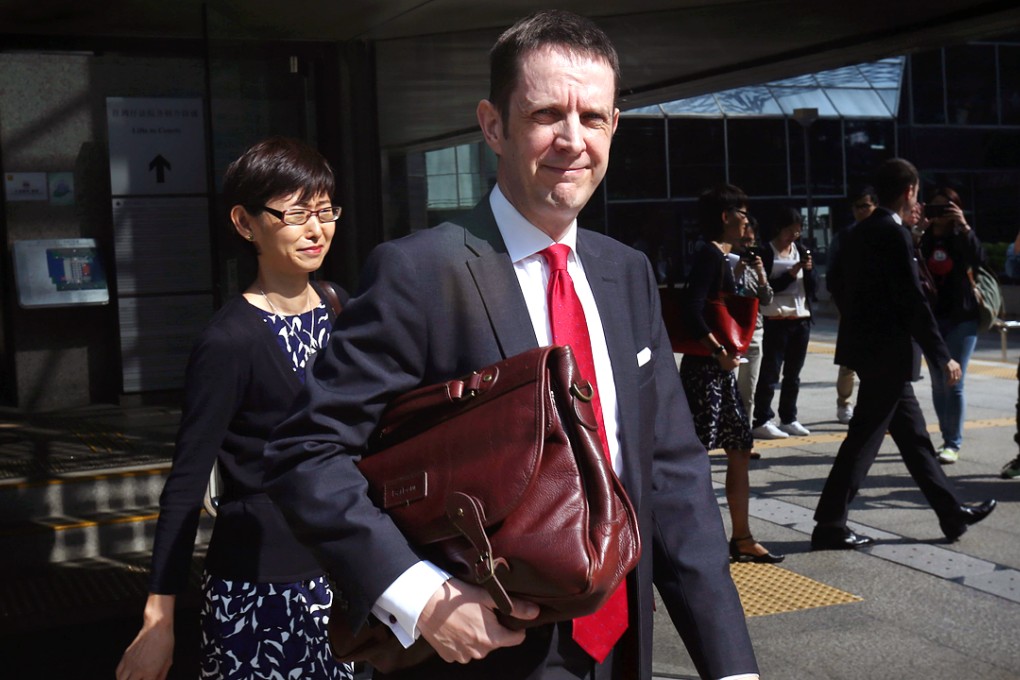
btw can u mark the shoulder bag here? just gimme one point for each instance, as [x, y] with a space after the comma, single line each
[500, 478]
[988, 295]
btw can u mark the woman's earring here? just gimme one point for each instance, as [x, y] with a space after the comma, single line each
[251, 236]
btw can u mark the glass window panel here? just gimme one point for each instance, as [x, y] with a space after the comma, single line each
[868, 143]
[757, 155]
[639, 171]
[653, 111]
[826, 148]
[926, 87]
[440, 162]
[442, 191]
[805, 80]
[858, 103]
[469, 190]
[891, 99]
[466, 155]
[801, 98]
[849, 76]
[1009, 84]
[749, 101]
[697, 155]
[970, 85]
[885, 74]
[705, 105]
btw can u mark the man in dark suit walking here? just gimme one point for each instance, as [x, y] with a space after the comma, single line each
[883, 313]
[449, 300]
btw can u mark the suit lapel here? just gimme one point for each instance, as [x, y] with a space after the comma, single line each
[493, 273]
[606, 286]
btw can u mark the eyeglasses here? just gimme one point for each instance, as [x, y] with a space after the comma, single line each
[298, 216]
[863, 206]
[743, 213]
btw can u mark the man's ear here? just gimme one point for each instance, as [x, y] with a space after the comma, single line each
[491, 123]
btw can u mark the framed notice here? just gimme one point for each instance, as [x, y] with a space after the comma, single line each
[59, 273]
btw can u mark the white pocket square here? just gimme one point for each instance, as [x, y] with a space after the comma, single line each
[644, 356]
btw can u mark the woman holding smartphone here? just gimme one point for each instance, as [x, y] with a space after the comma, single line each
[952, 254]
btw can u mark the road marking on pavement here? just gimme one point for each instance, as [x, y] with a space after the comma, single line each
[975, 367]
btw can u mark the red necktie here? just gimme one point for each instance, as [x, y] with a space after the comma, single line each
[598, 632]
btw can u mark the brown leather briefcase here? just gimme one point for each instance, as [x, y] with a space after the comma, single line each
[500, 478]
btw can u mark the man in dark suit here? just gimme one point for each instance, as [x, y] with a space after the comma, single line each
[883, 312]
[449, 300]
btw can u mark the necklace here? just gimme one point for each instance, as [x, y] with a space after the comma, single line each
[293, 325]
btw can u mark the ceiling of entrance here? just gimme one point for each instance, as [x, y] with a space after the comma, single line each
[431, 54]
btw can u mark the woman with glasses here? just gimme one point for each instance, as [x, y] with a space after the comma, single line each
[787, 325]
[710, 382]
[264, 595]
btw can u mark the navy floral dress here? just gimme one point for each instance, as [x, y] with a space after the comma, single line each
[275, 631]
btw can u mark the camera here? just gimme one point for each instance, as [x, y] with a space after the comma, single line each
[933, 212]
[750, 253]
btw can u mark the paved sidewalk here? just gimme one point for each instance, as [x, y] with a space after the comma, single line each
[927, 608]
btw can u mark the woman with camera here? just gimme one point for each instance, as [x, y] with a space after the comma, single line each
[787, 325]
[751, 281]
[952, 254]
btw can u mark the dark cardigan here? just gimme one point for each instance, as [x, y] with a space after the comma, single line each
[239, 386]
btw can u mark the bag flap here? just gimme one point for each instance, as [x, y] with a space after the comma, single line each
[487, 444]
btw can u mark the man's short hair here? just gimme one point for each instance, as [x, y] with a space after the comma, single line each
[866, 191]
[893, 178]
[714, 202]
[547, 28]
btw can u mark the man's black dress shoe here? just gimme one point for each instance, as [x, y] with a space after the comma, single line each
[966, 514]
[838, 538]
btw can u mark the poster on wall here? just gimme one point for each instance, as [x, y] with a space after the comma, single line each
[157, 146]
[59, 273]
[25, 186]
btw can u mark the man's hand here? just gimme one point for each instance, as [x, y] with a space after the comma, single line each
[953, 373]
[460, 622]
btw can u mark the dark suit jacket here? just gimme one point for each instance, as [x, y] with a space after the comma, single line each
[883, 311]
[443, 302]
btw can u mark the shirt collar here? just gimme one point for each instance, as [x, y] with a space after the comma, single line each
[522, 238]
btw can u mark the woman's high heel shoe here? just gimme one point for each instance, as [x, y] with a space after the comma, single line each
[737, 556]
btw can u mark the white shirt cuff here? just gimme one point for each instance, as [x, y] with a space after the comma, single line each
[400, 605]
[742, 676]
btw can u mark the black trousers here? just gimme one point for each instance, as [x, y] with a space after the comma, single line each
[783, 350]
[885, 404]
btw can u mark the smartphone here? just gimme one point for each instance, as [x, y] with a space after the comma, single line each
[932, 211]
[750, 253]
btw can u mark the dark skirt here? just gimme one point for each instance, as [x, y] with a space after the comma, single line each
[720, 419]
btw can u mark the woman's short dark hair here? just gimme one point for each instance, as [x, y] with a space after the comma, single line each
[714, 202]
[786, 217]
[547, 28]
[273, 167]
[949, 194]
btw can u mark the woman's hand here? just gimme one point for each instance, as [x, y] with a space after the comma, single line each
[151, 653]
[727, 361]
[809, 264]
[954, 213]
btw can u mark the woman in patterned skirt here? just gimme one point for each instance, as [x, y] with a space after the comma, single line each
[266, 600]
[710, 382]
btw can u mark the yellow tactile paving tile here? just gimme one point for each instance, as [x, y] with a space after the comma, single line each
[767, 589]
